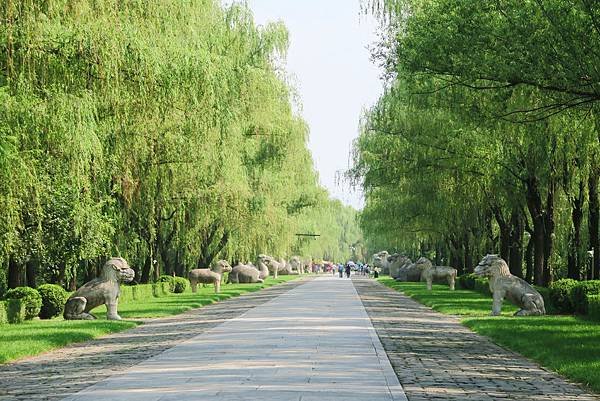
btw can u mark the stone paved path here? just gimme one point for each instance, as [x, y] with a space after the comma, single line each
[312, 343]
[56, 374]
[436, 358]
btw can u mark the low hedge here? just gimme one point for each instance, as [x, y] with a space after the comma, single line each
[581, 292]
[467, 281]
[594, 306]
[14, 310]
[131, 293]
[30, 297]
[179, 285]
[560, 295]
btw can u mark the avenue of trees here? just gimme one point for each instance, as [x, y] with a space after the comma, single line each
[486, 139]
[161, 131]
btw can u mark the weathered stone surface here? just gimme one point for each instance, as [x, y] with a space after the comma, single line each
[57, 374]
[436, 358]
[505, 285]
[100, 291]
[244, 274]
[209, 276]
[430, 273]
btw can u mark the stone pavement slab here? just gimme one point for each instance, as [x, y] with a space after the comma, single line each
[437, 358]
[56, 374]
[314, 342]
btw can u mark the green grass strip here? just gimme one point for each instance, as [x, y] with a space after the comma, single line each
[37, 336]
[568, 345]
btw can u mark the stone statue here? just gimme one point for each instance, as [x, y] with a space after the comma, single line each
[244, 274]
[380, 259]
[209, 276]
[429, 273]
[505, 285]
[102, 290]
[264, 267]
[297, 264]
[396, 262]
[409, 271]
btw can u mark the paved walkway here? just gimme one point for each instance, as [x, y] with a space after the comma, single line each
[436, 358]
[57, 374]
[314, 342]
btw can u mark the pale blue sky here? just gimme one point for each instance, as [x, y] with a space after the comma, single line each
[330, 66]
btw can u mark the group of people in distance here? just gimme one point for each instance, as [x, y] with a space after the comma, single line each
[361, 269]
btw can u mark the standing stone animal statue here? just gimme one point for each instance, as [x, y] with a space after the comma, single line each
[505, 285]
[209, 276]
[104, 290]
[281, 266]
[244, 274]
[429, 273]
[380, 259]
[297, 264]
[396, 262]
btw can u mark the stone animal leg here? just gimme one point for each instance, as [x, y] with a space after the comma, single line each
[217, 285]
[194, 285]
[74, 309]
[111, 310]
[451, 282]
[529, 308]
[429, 283]
[497, 303]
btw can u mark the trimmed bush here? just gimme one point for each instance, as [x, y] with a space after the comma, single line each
[482, 286]
[179, 286]
[580, 293]
[594, 307]
[30, 297]
[160, 289]
[53, 300]
[467, 281]
[560, 295]
[3, 313]
[16, 311]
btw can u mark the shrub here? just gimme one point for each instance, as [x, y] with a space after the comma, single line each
[548, 304]
[560, 295]
[594, 306]
[179, 285]
[15, 311]
[467, 281]
[3, 313]
[580, 293]
[31, 299]
[165, 279]
[482, 285]
[53, 300]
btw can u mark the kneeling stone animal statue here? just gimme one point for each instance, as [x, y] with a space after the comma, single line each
[244, 274]
[209, 276]
[505, 285]
[102, 290]
[429, 272]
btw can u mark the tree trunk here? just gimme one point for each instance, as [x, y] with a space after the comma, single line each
[515, 261]
[504, 227]
[593, 223]
[535, 207]
[549, 226]
[31, 273]
[574, 258]
[468, 257]
[14, 273]
[529, 260]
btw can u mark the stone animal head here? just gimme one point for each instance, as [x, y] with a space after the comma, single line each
[423, 263]
[380, 258]
[492, 266]
[117, 270]
[398, 259]
[225, 266]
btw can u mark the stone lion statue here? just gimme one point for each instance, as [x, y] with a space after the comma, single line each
[380, 259]
[264, 267]
[209, 276]
[429, 273]
[103, 290]
[244, 274]
[505, 285]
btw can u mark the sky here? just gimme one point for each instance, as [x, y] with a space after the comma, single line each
[331, 68]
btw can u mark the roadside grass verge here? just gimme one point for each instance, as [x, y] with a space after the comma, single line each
[568, 345]
[37, 336]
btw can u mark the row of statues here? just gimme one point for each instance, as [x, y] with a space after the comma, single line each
[503, 285]
[105, 290]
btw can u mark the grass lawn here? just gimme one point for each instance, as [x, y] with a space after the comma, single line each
[37, 336]
[566, 344]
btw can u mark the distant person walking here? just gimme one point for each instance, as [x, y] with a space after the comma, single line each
[341, 270]
[348, 269]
